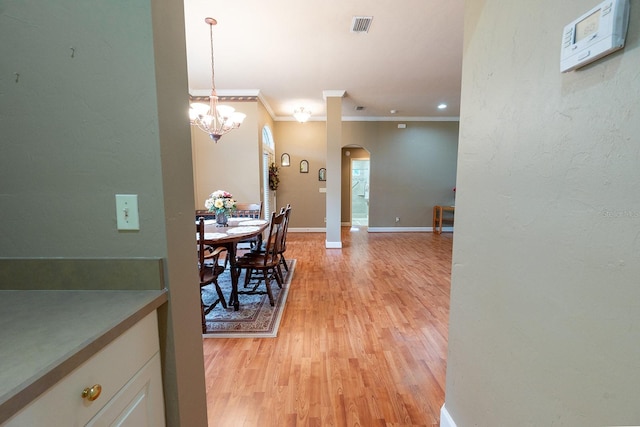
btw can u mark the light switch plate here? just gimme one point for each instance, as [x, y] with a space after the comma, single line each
[127, 212]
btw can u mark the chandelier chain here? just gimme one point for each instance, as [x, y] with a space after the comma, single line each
[214, 119]
[213, 81]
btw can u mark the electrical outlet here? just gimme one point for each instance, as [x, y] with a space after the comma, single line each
[127, 212]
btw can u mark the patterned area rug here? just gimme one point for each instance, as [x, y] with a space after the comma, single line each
[256, 317]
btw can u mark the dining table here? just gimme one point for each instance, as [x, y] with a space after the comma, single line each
[236, 230]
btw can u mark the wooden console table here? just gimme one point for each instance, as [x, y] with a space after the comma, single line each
[438, 217]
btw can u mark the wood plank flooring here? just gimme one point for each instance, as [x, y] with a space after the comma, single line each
[362, 342]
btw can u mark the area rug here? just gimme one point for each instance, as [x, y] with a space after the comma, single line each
[256, 317]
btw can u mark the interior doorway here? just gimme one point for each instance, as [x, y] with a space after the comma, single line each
[359, 191]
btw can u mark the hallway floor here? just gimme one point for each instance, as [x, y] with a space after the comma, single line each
[363, 340]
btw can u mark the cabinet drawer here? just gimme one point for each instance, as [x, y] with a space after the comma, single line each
[112, 368]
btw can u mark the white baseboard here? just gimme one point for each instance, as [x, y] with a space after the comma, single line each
[400, 229]
[376, 230]
[333, 245]
[445, 418]
[308, 230]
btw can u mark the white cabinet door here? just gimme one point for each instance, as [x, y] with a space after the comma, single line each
[138, 404]
[128, 370]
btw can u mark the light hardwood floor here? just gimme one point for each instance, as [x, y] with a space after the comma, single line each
[362, 342]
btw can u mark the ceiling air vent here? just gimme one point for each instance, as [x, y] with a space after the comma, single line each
[361, 24]
[359, 108]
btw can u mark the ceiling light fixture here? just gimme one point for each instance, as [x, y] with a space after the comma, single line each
[442, 106]
[301, 114]
[214, 119]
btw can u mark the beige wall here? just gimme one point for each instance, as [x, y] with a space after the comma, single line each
[302, 141]
[234, 162]
[544, 319]
[412, 169]
[78, 129]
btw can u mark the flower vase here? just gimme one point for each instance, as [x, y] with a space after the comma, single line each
[221, 219]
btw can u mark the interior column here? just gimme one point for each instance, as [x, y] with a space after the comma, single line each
[333, 99]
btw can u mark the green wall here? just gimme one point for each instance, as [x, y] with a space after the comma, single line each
[412, 169]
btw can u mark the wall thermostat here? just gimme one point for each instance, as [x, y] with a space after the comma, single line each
[595, 34]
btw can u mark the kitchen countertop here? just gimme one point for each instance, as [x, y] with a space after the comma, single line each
[44, 335]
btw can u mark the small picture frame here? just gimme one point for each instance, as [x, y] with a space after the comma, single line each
[304, 166]
[285, 160]
[322, 174]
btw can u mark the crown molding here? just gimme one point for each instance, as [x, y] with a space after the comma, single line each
[253, 95]
[372, 119]
[244, 95]
[234, 95]
[333, 93]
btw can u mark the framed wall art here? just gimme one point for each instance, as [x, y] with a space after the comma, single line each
[285, 160]
[304, 166]
[322, 174]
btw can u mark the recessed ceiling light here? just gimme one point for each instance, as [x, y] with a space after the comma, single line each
[393, 111]
[442, 106]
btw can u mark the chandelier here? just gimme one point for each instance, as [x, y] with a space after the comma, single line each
[212, 118]
[301, 114]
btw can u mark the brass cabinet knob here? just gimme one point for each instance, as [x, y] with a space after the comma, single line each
[92, 393]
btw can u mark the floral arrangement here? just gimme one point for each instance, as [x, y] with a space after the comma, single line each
[220, 201]
[274, 180]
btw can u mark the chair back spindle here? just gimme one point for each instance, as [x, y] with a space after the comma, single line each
[248, 210]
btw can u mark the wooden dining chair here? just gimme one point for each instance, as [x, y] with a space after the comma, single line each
[249, 210]
[283, 243]
[266, 263]
[206, 214]
[209, 268]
